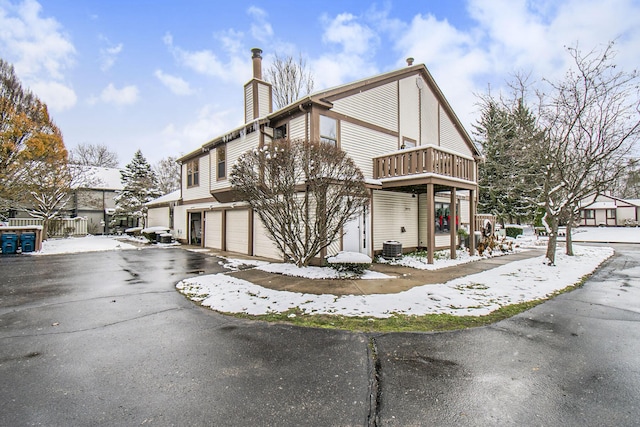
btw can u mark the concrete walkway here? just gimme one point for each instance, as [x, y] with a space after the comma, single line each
[404, 277]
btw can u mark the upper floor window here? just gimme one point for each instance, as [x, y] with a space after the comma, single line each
[329, 130]
[407, 143]
[193, 173]
[280, 132]
[221, 162]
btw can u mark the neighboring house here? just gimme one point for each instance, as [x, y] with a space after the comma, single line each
[160, 211]
[607, 210]
[419, 163]
[93, 198]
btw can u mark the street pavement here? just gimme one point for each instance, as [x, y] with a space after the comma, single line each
[105, 339]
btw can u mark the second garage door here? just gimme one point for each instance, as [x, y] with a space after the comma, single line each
[238, 231]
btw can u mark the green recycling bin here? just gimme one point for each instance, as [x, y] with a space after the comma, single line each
[28, 242]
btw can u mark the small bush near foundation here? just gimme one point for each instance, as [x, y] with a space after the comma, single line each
[352, 262]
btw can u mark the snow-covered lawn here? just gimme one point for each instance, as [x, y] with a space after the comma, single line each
[475, 295]
[607, 234]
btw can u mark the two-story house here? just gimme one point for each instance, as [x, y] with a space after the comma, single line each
[419, 163]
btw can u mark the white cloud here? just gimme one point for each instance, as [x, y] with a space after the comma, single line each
[209, 122]
[109, 54]
[175, 84]
[354, 38]
[111, 95]
[206, 62]
[261, 29]
[39, 49]
[57, 96]
[356, 44]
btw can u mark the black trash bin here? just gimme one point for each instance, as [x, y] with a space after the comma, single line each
[9, 243]
[28, 242]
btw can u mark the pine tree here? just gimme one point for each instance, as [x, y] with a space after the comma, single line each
[507, 132]
[140, 186]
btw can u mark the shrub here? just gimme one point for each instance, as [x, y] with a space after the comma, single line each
[514, 232]
[352, 262]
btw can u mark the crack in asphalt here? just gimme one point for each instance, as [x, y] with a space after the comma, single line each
[375, 390]
[16, 309]
[95, 327]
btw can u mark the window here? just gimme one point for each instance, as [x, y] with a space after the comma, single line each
[588, 214]
[329, 130]
[280, 132]
[193, 173]
[221, 154]
[611, 214]
[443, 217]
[407, 143]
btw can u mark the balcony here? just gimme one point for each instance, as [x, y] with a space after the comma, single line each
[424, 161]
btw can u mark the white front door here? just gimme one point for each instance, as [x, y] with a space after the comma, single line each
[356, 234]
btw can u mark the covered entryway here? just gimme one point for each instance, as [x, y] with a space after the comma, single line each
[357, 237]
[195, 228]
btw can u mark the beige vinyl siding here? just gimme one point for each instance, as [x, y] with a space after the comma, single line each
[158, 217]
[450, 137]
[443, 241]
[264, 100]
[213, 230]
[298, 127]
[378, 106]
[237, 232]
[392, 211]
[200, 191]
[363, 144]
[625, 213]
[234, 149]
[429, 111]
[248, 107]
[409, 109]
[423, 221]
[464, 212]
[263, 246]
[180, 222]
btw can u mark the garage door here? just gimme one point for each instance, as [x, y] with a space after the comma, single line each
[238, 231]
[213, 230]
[262, 245]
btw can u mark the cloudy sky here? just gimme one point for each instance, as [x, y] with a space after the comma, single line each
[166, 76]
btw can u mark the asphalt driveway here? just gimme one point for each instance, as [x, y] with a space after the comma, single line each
[104, 339]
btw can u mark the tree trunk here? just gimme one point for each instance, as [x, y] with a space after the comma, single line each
[551, 224]
[568, 238]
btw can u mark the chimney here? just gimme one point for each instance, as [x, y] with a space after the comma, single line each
[409, 61]
[257, 63]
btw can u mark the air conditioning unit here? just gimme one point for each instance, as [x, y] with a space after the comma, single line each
[391, 249]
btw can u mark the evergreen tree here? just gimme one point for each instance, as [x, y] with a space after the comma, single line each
[140, 186]
[506, 133]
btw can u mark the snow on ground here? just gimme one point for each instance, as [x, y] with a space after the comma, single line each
[81, 244]
[475, 295]
[316, 272]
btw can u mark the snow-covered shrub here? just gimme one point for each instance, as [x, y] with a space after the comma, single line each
[353, 262]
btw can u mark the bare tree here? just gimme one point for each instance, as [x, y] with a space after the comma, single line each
[304, 193]
[168, 173]
[591, 121]
[290, 79]
[93, 155]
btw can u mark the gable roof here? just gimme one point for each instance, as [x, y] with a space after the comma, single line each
[325, 96]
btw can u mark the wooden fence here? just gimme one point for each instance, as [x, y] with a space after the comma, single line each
[58, 227]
